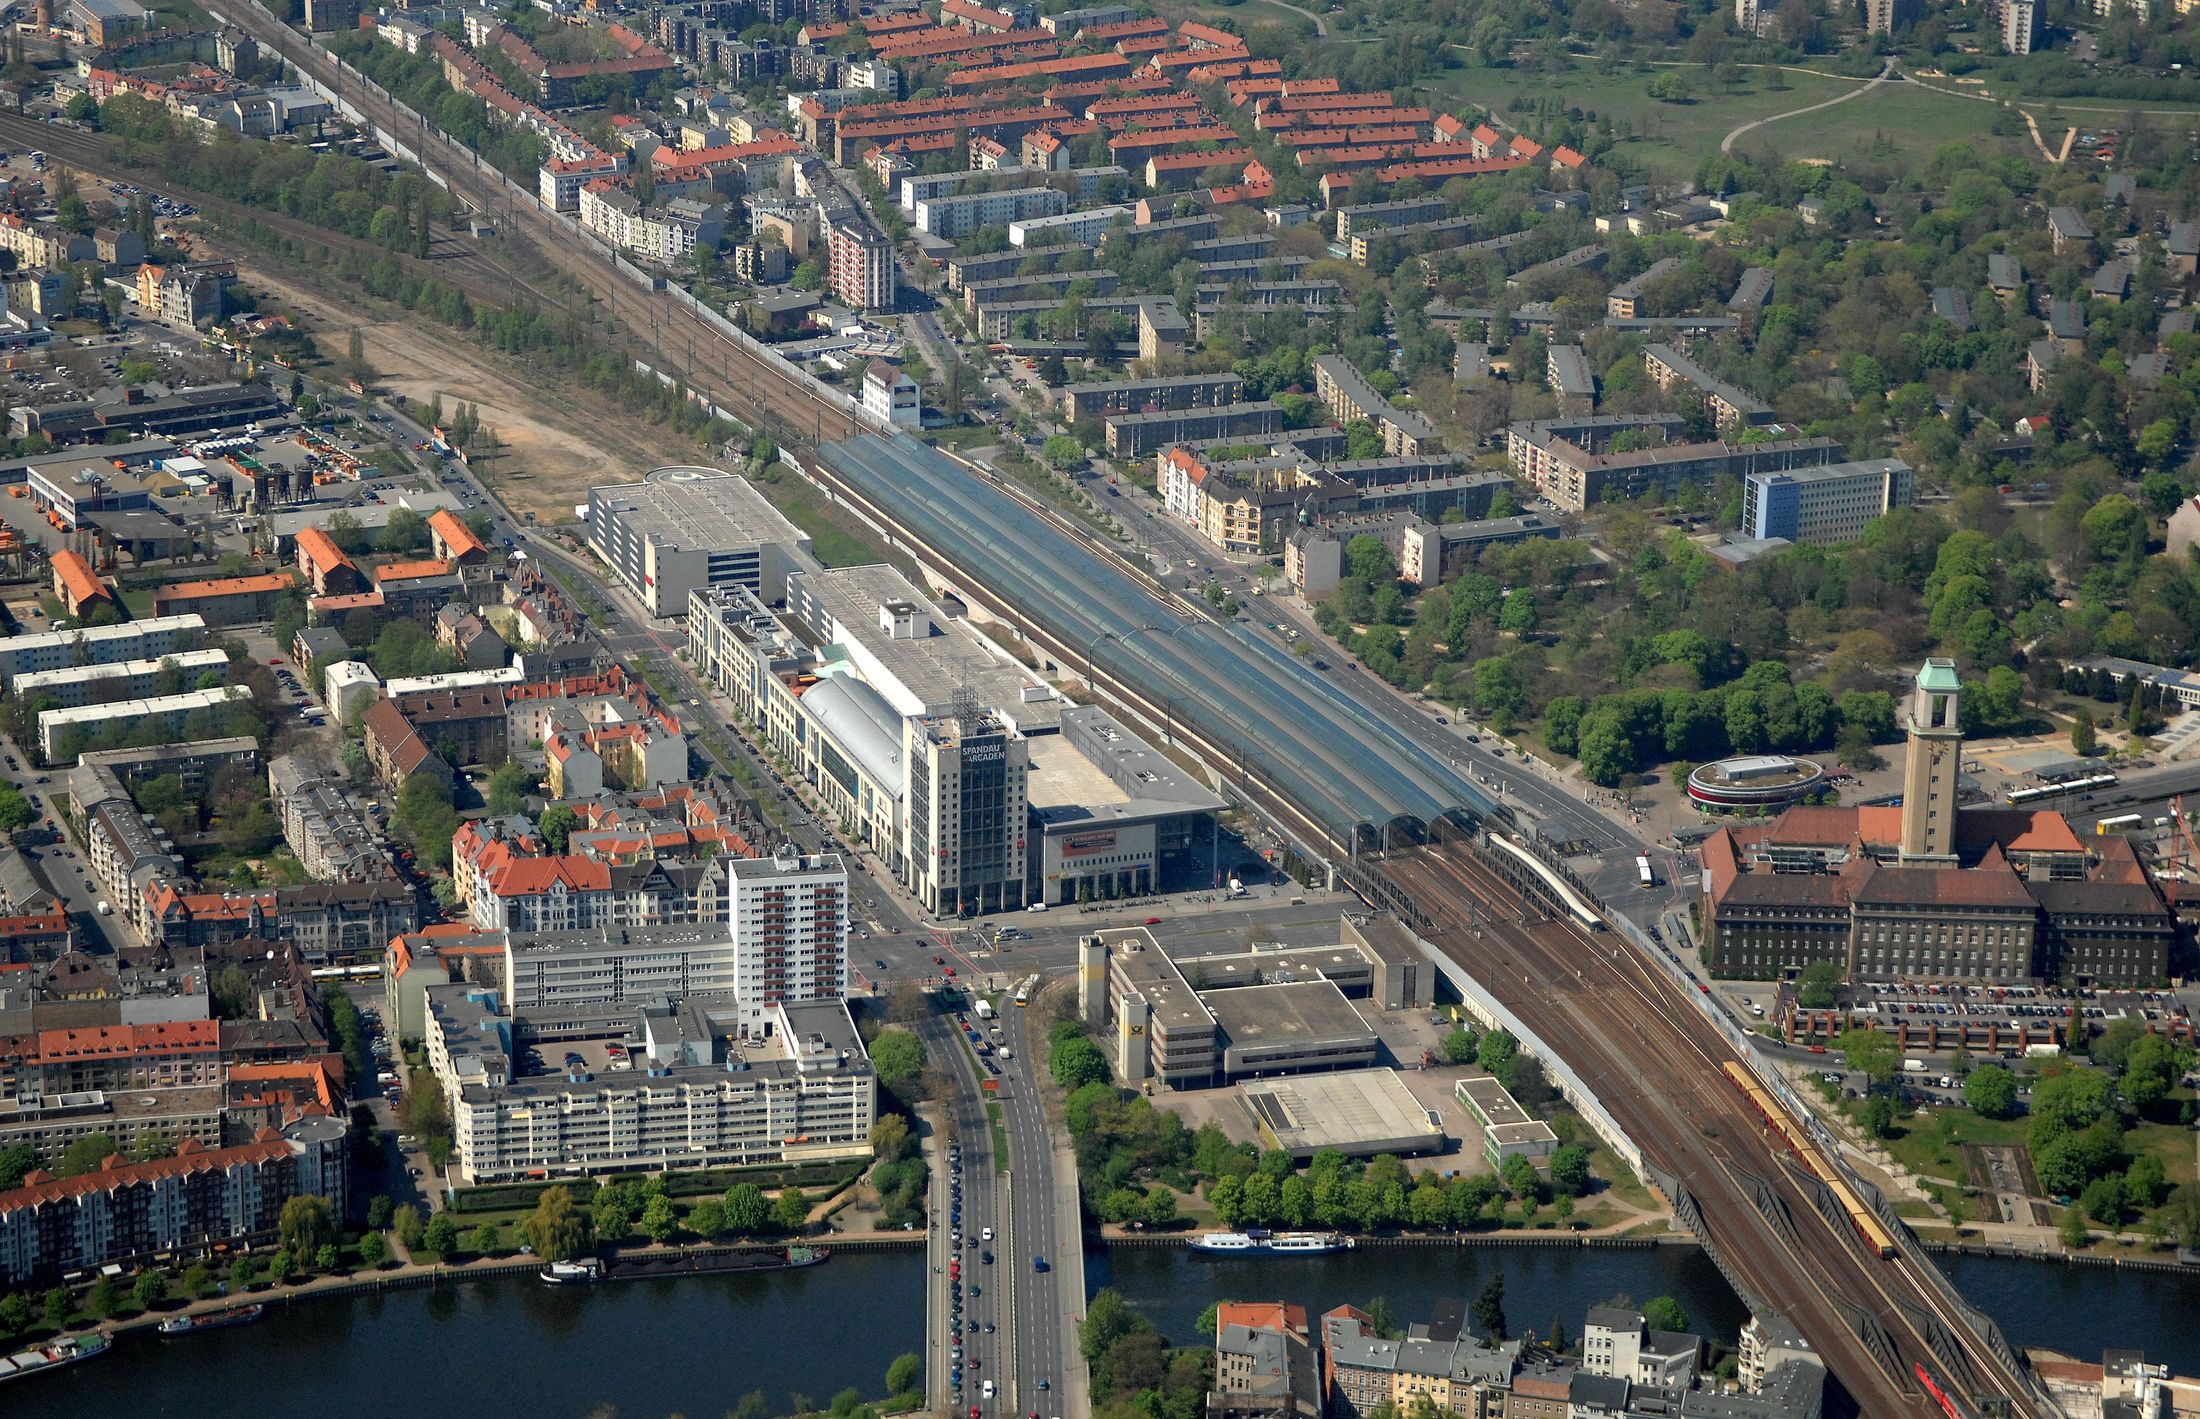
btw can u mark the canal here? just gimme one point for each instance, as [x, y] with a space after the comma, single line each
[694, 1347]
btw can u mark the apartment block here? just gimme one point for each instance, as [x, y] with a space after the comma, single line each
[1092, 401]
[117, 679]
[1349, 396]
[789, 918]
[149, 639]
[957, 215]
[1727, 404]
[1130, 435]
[860, 267]
[1623, 298]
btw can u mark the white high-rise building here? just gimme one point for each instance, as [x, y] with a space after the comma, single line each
[789, 917]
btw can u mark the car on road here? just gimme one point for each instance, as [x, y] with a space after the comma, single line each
[1039, 1264]
[1153, 921]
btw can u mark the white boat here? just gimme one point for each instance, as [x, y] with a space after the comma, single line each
[572, 1273]
[1270, 1244]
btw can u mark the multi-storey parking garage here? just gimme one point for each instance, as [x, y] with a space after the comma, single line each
[1292, 734]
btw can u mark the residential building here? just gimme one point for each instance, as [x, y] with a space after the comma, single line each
[1820, 507]
[148, 639]
[324, 826]
[681, 529]
[860, 267]
[1131, 435]
[789, 917]
[197, 1199]
[891, 396]
[1623, 298]
[957, 215]
[1574, 464]
[224, 601]
[802, 1092]
[1081, 402]
[1566, 371]
[1349, 396]
[1726, 404]
[63, 732]
[126, 679]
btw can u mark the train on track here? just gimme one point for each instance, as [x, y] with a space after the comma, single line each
[1813, 1158]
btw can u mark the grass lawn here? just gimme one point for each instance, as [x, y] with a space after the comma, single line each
[1930, 1144]
[832, 544]
[1620, 1181]
[1671, 140]
[2168, 1142]
[1249, 15]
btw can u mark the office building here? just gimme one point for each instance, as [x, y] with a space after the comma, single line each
[683, 529]
[789, 917]
[1820, 507]
[1507, 1129]
[1928, 891]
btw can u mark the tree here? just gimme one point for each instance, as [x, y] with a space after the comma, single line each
[891, 1138]
[1991, 1092]
[1665, 1313]
[1520, 1177]
[1499, 1053]
[1872, 1053]
[658, 1221]
[283, 1266]
[441, 1236]
[1668, 87]
[1459, 1047]
[15, 1313]
[2071, 1229]
[1879, 1116]
[103, 1299]
[1107, 1320]
[557, 824]
[558, 1229]
[2082, 738]
[902, 1376]
[1489, 1306]
[149, 1290]
[707, 1219]
[1078, 1062]
[305, 1224]
[509, 785]
[85, 1154]
[791, 1209]
[1818, 989]
[897, 1057]
[1367, 558]
[1570, 1169]
[1062, 451]
[15, 1162]
[748, 1211]
[373, 1250]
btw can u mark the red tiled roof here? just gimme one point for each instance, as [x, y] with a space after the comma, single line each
[191, 1157]
[455, 533]
[77, 578]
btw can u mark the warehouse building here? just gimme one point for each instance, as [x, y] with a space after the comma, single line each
[682, 529]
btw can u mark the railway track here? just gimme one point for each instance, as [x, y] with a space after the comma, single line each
[1627, 1030]
[686, 346]
[450, 258]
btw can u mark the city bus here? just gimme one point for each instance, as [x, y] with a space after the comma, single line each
[1644, 876]
[2121, 823]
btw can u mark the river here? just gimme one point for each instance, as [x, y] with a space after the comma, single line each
[656, 1348]
[512, 1346]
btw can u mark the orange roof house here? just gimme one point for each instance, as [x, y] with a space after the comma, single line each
[326, 565]
[78, 586]
[453, 541]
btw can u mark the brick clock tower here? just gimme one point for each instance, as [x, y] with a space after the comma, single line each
[1935, 760]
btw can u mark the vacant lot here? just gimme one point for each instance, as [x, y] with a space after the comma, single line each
[1671, 140]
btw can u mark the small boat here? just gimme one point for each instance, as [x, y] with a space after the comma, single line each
[572, 1273]
[66, 1351]
[212, 1320]
[1270, 1244]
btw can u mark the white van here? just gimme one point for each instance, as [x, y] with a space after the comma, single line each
[1036, 907]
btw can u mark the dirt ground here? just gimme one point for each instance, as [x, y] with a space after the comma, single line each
[552, 454]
